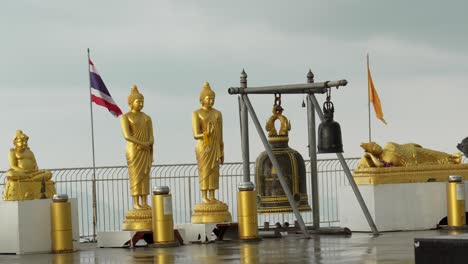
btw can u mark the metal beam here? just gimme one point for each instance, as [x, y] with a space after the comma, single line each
[275, 164]
[347, 171]
[303, 88]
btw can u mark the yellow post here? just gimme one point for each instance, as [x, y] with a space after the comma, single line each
[163, 223]
[247, 211]
[61, 224]
[456, 201]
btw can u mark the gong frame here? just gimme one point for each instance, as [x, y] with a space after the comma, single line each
[310, 88]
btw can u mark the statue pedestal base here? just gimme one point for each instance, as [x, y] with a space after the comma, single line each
[136, 220]
[196, 233]
[114, 239]
[217, 212]
[15, 191]
[25, 226]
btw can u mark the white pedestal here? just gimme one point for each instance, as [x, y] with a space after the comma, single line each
[114, 239]
[402, 206]
[196, 232]
[25, 226]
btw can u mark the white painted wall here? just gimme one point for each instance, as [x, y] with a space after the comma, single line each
[25, 226]
[403, 206]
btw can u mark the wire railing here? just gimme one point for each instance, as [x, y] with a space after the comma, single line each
[113, 199]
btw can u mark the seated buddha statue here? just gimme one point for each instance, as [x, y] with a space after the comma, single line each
[403, 155]
[24, 179]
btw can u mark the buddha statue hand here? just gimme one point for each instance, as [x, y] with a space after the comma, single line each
[207, 134]
[209, 129]
[144, 146]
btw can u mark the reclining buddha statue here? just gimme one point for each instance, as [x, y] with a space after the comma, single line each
[403, 155]
[24, 179]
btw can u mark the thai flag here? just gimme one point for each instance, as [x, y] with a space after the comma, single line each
[99, 93]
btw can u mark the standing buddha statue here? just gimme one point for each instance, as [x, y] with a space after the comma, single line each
[207, 126]
[137, 129]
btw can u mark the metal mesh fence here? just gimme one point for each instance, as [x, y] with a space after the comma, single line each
[113, 199]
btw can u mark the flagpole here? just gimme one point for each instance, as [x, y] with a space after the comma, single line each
[368, 98]
[94, 160]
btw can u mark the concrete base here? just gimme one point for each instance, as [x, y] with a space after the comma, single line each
[402, 206]
[25, 226]
[114, 239]
[196, 232]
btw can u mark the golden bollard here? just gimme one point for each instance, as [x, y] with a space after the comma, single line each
[247, 211]
[61, 224]
[163, 223]
[456, 201]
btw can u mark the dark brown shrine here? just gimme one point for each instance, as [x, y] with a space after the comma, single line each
[271, 197]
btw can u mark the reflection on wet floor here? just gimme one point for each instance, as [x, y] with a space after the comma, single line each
[390, 247]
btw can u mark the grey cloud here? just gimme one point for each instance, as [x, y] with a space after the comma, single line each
[441, 23]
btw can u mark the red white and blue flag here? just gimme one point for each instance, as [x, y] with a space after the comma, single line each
[99, 93]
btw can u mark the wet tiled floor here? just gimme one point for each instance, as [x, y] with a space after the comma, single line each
[390, 247]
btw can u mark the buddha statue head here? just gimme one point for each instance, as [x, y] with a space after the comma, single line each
[372, 148]
[135, 99]
[20, 141]
[207, 96]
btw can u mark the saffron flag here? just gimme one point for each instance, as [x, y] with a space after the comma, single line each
[373, 96]
[99, 93]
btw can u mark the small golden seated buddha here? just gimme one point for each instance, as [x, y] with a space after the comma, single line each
[24, 179]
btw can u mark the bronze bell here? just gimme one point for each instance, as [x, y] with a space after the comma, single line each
[329, 132]
[271, 196]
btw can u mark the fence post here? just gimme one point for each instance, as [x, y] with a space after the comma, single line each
[94, 203]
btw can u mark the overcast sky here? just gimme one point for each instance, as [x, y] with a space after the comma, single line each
[418, 49]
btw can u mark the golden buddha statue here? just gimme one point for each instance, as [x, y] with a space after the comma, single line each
[207, 126]
[24, 179]
[137, 129]
[403, 155]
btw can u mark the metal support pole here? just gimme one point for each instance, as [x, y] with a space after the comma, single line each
[244, 131]
[347, 171]
[275, 164]
[313, 157]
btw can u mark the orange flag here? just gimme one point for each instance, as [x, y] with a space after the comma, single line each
[373, 96]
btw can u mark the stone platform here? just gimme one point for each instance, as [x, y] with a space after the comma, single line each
[394, 207]
[115, 239]
[196, 233]
[391, 247]
[25, 226]
[399, 198]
